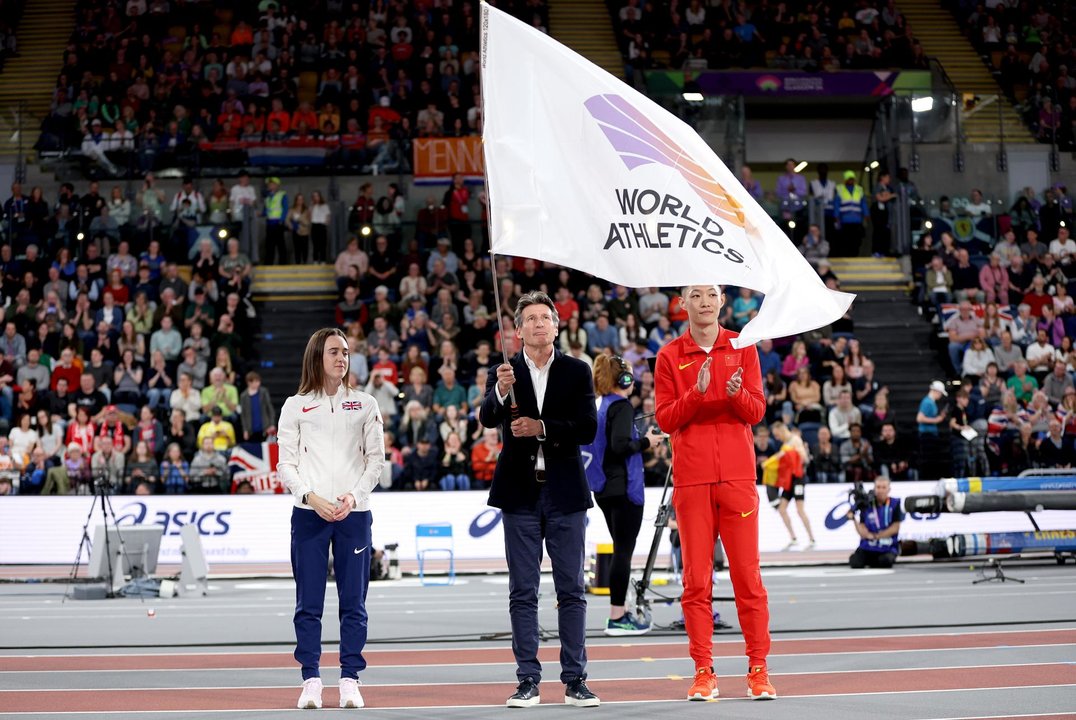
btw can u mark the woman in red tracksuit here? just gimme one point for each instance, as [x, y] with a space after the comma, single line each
[709, 394]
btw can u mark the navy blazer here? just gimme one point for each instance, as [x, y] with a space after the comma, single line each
[571, 420]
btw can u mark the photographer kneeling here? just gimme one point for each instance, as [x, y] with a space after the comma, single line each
[878, 523]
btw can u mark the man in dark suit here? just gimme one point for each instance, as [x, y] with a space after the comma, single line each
[541, 488]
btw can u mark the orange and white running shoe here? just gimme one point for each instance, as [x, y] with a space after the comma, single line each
[705, 685]
[758, 684]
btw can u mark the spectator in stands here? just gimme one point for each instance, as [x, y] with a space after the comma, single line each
[928, 418]
[220, 395]
[175, 471]
[857, 455]
[457, 201]
[242, 196]
[994, 280]
[833, 387]
[602, 337]
[965, 277]
[453, 473]
[299, 225]
[842, 416]
[219, 430]
[1021, 383]
[167, 339]
[385, 392]
[1023, 326]
[1032, 252]
[1057, 383]
[235, 269]
[976, 358]
[1063, 247]
[1037, 298]
[806, 396]
[420, 466]
[891, 456]
[1040, 356]
[962, 328]
[257, 415]
[484, 455]
[108, 463]
[1055, 450]
[208, 469]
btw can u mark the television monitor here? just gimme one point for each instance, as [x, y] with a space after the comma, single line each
[143, 543]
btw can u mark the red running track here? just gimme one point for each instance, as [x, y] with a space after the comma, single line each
[494, 694]
[457, 656]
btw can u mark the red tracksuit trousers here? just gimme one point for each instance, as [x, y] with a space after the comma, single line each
[703, 512]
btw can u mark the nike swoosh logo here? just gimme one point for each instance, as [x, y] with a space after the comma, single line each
[746, 514]
[312, 407]
[687, 365]
[360, 552]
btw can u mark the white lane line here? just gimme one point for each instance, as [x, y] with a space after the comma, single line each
[1007, 715]
[590, 661]
[371, 646]
[591, 679]
[427, 708]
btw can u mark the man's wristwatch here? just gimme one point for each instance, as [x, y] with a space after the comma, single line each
[305, 496]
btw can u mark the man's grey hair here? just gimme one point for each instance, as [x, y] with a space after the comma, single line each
[535, 298]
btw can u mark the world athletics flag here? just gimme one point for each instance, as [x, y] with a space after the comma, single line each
[584, 171]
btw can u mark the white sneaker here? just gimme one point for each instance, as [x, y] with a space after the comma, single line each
[311, 697]
[791, 545]
[350, 697]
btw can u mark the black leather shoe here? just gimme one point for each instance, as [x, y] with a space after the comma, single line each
[578, 694]
[526, 695]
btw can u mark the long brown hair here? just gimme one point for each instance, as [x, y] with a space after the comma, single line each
[313, 377]
[605, 372]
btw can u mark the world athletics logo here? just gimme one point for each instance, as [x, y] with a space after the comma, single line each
[639, 142]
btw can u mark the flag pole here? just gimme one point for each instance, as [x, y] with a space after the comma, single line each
[497, 301]
[489, 213]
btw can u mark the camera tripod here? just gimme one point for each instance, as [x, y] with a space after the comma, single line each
[999, 573]
[100, 494]
[642, 585]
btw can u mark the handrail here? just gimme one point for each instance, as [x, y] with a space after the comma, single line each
[936, 63]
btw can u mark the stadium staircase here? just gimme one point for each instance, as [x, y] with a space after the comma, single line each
[585, 27]
[27, 81]
[292, 301]
[982, 99]
[891, 331]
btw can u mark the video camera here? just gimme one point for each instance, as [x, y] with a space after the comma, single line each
[861, 499]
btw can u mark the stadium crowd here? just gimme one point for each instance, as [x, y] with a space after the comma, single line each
[1031, 50]
[114, 363]
[999, 289]
[123, 351]
[791, 35]
[358, 81]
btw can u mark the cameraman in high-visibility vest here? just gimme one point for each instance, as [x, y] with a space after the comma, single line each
[276, 213]
[851, 210]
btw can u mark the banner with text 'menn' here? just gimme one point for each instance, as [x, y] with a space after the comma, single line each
[438, 159]
[586, 172]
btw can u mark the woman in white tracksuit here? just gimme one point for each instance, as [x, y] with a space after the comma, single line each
[331, 443]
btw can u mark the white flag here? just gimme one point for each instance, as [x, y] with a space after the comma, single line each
[586, 172]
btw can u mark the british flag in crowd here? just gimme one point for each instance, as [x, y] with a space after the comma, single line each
[256, 463]
[948, 310]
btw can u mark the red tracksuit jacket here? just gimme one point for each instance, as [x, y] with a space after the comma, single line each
[711, 433]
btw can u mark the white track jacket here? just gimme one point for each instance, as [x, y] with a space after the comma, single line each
[331, 445]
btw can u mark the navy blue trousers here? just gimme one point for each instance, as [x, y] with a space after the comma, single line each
[564, 535]
[310, 540]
